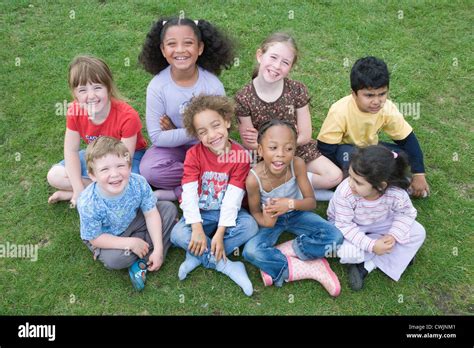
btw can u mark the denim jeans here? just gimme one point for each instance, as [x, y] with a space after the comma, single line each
[246, 227]
[316, 238]
[344, 152]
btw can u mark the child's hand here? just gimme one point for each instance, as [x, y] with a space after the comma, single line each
[389, 239]
[166, 123]
[250, 135]
[384, 245]
[217, 247]
[198, 243]
[73, 202]
[419, 187]
[139, 247]
[277, 206]
[75, 196]
[155, 260]
[267, 216]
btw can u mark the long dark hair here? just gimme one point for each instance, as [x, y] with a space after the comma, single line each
[377, 164]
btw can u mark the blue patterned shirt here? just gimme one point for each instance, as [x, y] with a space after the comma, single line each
[100, 214]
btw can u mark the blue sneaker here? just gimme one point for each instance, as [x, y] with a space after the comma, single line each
[137, 273]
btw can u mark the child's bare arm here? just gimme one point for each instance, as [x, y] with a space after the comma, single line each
[109, 241]
[130, 143]
[248, 133]
[253, 194]
[154, 226]
[303, 125]
[72, 142]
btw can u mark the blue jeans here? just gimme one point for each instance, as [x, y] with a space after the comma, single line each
[344, 152]
[137, 156]
[316, 238]
[246, 227]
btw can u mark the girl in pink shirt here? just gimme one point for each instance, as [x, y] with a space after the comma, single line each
[375, 214]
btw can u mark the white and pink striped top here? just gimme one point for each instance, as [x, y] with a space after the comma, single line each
[349, 211]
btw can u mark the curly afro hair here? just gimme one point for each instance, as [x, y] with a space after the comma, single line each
[224, 106]
[218, 51]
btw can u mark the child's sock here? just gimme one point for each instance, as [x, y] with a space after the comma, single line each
[187, 266]
[165, 195]
[235, 270]
[369, 266]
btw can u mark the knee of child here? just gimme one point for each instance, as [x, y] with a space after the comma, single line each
[53, 176]
[179, 235]
[114, 262]
[251, 227]
[173, 235]
[337, 176]
[144, 170]
[339, 237]
[420, 231]
[168, 210]
[250, 251]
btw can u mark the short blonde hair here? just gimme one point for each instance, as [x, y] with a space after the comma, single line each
[84, 69]
[104, 146]
[224, 106]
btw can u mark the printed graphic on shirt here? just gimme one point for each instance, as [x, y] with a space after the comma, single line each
[184, 105]
[213, 187]
[91, 138]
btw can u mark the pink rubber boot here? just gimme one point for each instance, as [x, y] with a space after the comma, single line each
[267, 280]
[318, 269]
[286, 250]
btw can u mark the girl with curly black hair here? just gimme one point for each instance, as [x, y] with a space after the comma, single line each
[185, 56]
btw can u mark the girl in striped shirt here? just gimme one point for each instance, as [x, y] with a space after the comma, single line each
[374, 212]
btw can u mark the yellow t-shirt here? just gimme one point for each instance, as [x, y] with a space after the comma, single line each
[346, 124]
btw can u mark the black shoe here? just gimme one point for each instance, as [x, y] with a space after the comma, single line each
[357, 274]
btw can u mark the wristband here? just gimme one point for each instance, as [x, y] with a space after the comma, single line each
[291, 204]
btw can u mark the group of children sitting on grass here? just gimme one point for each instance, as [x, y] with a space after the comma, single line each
[234, 195]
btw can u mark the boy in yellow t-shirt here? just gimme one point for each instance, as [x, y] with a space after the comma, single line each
[358, 118]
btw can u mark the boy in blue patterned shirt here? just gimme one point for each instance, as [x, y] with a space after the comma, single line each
[121, 222]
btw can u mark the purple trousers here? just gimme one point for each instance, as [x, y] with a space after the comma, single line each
[162, 167]
[392, 264]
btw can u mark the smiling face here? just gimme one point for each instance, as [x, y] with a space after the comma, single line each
[277, 148]
[94, 98]
[361, 187]
[212, 130]
[276, 62]
[371, 100]
[181, 48]
[112, 173]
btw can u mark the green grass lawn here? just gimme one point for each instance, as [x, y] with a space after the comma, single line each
[428, 48]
